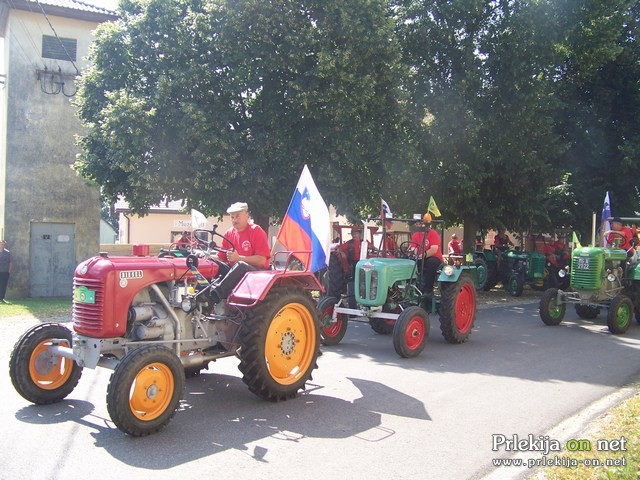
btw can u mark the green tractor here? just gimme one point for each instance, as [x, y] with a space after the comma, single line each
[389, 297]
[520, 268]
[601, 278]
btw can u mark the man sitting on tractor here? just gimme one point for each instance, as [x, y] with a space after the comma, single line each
[427, 244]
[248, 250]
[625, 234]
[502, 240]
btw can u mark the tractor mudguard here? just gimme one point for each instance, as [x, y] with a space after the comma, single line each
[451, 274]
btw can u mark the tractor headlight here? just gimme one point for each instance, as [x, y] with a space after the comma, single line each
[448, 270]
[188, 304]
[562, 273]
[611, 277]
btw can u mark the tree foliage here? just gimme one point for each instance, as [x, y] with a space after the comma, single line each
[515, 113]
[219, 101]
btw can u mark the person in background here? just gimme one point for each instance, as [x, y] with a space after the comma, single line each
[5, 270]
[502, 240]
[455, 247]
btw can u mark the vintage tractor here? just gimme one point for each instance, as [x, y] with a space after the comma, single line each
[601, 278]
[518, 268]
[151, 320]
[389, 297]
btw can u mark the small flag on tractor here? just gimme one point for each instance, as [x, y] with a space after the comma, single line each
[605, 226]
[575, 241]
[433, 208]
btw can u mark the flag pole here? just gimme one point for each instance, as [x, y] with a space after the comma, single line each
[593, 230]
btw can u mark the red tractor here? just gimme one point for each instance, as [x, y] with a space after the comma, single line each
[152, 322]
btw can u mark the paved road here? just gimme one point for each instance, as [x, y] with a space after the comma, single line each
[367, 414]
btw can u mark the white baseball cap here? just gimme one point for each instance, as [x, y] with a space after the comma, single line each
[237, 207]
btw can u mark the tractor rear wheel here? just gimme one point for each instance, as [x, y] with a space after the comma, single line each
[331, 333]
[551, 312]
[37, 374]
[620, 314]
[411, 332]
[457, 309]
[145, 390]
[280, 341]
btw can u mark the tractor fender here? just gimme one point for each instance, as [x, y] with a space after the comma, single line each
[255, 285]
[451, 274]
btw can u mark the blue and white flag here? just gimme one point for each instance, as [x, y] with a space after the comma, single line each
[605, 226]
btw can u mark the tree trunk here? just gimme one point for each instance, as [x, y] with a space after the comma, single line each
[471, 229]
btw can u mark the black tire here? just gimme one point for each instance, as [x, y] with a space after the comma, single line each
[457, 309]
[637, 314]
[620, 314]
[551, 312]
[382, 325]
[482, 270]
[37, 375]
[493, 276]
[515, 285]
[331, 333]
[280, 341]
[411, 332]
[145, 390]
[587, 312]
[335, 277]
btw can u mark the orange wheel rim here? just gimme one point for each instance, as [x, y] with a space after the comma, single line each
[290, 343]
[151, 391]
[49, 371]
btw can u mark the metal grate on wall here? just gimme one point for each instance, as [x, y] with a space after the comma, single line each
[59, 48]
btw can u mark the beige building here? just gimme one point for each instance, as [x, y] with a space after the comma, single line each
[49, 216]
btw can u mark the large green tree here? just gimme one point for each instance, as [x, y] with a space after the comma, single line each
[483, 92]
[216, 101]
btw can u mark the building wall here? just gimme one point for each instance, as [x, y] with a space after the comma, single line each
[41, 121]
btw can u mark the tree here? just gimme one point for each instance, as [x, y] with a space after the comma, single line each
[482, 91]
[219, 101]
[600, 106]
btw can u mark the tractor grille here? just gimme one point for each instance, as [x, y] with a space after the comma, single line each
[536, 266]
[88, 317]
[587, 272]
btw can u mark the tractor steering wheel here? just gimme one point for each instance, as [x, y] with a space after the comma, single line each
[615, 233]
[408, 249]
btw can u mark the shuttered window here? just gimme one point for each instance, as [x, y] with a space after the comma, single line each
[59, 48]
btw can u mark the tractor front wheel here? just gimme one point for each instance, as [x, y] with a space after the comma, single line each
[331, 332]
[457, 309]
[482, 270]
[145, 390]
[515, 284]
[551, 312]
[39, 375]
[620, 314]
[280, 341]
[411, 332]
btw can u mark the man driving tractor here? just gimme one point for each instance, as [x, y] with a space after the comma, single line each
[426, 243]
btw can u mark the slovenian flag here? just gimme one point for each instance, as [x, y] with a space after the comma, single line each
[605, 226]
[306, 223]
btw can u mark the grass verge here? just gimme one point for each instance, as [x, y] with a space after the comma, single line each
[36, 307]
[606, 459]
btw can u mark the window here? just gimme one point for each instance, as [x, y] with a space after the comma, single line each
[59, 48]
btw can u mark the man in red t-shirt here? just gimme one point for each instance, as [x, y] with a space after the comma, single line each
[455, 247]
[249, 250]
[427, 245]
[624, 237]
